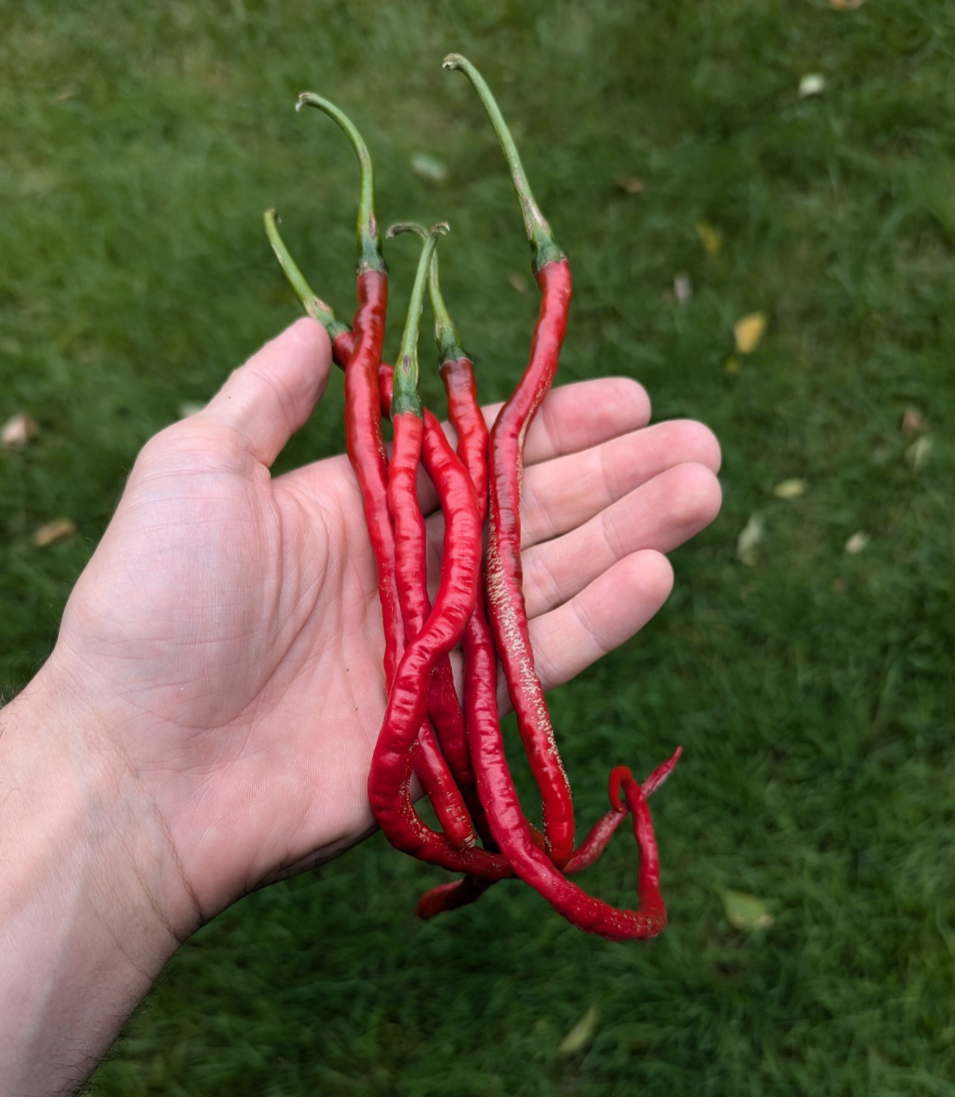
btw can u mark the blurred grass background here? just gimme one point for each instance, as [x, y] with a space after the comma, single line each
[812, 688]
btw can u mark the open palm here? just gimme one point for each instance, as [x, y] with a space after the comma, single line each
[228, 623]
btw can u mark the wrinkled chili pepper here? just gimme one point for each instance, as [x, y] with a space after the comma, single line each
[470, 425]
[366, 451]
[457, 373]
[505, 579]
[389, 782]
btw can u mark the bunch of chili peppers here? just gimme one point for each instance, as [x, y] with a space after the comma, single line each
[454, 744]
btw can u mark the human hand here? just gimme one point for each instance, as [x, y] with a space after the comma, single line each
[223, 649]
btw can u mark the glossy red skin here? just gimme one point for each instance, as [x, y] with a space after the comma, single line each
[444, 708]
[390, 792]
[366, 449]
[505, 578]
[412, 579]
[516, 841]
[389, 784]
[466, 417]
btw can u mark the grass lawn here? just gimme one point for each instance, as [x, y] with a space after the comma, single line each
[812, 687]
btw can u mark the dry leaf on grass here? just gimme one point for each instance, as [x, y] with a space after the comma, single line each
[632, 184]
[857, 543]
[918, 452]
[745, 911]
[682, 288]
[750, 536]
[790, 489]
[913, 421]
[813, 83]
[429, 168]
[53, 532]
[580, 1036]
[846, 5]
[18, 430]
[711, 238]
[518, 281]
[749, 331]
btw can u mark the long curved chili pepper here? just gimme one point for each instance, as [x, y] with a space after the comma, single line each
[505, 593]
[390, 777]
[444, 708]
[455, 367]
[366, 450]
[466, 417]
[411, 833]
[407, 420]
[460, 892]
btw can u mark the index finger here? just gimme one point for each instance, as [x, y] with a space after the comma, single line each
[580, 415]
[571, 419]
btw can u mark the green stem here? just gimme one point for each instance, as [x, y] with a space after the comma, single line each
[405, 394]
[445, 333]
[538, 231]
[314, 306]
[369, 245]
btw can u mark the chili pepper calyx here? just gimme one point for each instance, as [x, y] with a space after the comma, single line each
[445, 333]
[369, 245]
[405, 397]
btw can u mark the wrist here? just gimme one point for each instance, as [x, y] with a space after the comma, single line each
[91, 903]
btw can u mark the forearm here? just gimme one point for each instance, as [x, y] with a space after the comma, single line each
[84, 926]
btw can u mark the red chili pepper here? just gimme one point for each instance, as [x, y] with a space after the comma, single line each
[390, 776]
[457, 371]
[366, 450]
[407, 419]
[505, 579]
[479, 650]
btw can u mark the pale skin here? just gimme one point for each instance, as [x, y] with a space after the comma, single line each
[205, 723]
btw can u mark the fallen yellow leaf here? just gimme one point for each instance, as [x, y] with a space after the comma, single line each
[682, 289]
[53, 532]
[918, 452]
[429, 168]
[813, 83]
[632, 184]
[750, 536]
[711, 237]
[749, 332]
[581, 1035]
[790, 489]
[745, 911]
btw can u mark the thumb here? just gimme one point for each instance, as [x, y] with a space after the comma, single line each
[268, 399]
